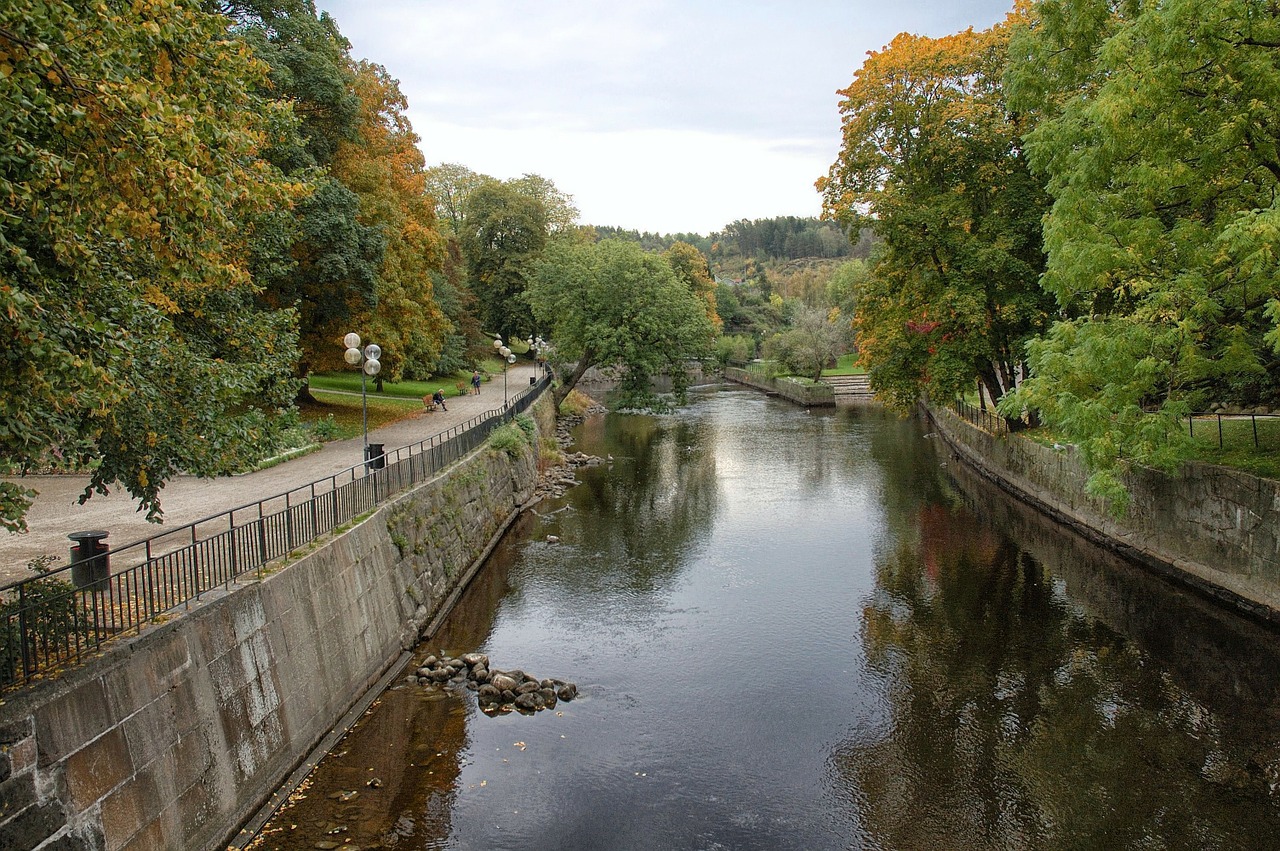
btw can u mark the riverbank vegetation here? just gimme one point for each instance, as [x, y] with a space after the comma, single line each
[1077, 214]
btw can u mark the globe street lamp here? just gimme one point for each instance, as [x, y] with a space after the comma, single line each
[367, 361]
[539, 347]
[507, 358]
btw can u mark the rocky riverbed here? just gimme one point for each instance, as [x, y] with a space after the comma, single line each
[497, 691]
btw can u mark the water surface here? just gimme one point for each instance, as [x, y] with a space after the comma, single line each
[803, 629]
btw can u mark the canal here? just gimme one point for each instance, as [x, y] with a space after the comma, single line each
[799, 629]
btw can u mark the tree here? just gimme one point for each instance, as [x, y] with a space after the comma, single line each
[932, 161]
[385, 169]
[612, 303]
[1153, 126]
[450, 185]
[319, 257]
[130, 166]
[812, 343]
[691, 267]
[558, 207]
[504, 232]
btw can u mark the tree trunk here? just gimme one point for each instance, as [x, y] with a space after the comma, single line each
[559, 394]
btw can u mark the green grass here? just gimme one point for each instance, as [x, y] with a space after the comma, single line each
[1237, 451]
[845, 365]
[347, 414]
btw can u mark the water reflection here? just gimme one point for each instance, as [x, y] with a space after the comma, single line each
[804, 630]
[1018, 717]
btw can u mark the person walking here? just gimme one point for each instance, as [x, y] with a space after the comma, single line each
[475, 383]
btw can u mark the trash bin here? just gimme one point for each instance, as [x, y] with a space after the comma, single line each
[533, 379]
[374, 458]
[90, 562]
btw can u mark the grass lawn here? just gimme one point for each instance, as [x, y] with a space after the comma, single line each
[845, 365]
[346, 411]
[1237, 451]
[350, 382]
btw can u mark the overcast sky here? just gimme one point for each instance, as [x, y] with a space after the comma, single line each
[657, 115]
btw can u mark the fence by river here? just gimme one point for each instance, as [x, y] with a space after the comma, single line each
[56, 618]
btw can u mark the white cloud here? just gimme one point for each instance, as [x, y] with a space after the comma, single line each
[663, 115]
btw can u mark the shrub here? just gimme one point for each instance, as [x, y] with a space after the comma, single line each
[509, 438]
[45, 621]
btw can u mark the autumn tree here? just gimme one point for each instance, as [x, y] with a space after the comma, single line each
[612, 303]
[691, 267]
[1155, 127]
[131, 172]
[386, 171]
[931, 160]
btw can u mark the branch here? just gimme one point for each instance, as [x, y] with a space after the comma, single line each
[57, 65]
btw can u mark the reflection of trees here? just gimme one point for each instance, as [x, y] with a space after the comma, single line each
[643, 517]
[1015, 721]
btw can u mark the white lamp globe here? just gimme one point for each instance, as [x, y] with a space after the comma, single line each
[352, 355]
[372, 367]
[373, 351]
[351, 341]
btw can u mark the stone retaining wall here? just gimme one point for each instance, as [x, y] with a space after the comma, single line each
[173, 738]
[1210, 527]
[810, 395]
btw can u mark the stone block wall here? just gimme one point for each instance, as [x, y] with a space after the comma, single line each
[173, 738]
[1210, 527]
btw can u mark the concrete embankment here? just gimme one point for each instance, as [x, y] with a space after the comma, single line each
[810, 395]
[1211, 528]
[173, 738]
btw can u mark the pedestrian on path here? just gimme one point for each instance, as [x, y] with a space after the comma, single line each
[475, 383]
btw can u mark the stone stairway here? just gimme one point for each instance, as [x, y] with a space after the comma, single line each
[849, 387]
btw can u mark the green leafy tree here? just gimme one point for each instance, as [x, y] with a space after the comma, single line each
[450, 185]
[611, 303]
[130, 166]
[813, 342]
[1155, 127]
[932, 161]
[504, 232]
[321, 257]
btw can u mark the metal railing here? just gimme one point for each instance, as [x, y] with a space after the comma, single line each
[984, 420]
[1233, 426]
[47, 621]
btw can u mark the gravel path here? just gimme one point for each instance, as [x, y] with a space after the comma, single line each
[185, 499]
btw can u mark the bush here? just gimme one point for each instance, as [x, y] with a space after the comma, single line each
[45, 621]
[734, 348]
[509, 438]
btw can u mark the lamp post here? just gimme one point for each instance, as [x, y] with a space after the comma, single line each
[538, 346]
[367, 360]
[507, 358]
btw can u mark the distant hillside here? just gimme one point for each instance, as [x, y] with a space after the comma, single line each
[766, 242]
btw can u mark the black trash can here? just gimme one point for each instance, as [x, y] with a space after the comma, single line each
[533, 379]
[374, 458]
[90, 562]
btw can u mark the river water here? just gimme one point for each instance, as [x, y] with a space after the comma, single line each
[799, 629]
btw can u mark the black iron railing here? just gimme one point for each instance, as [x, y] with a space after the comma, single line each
[55, 618]
[983, 419]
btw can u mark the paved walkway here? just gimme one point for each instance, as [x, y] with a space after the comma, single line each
[185, 499]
